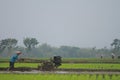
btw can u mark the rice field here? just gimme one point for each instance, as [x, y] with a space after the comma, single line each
[59, 77]
[71, 60]
[91, 66]
[63, 76]
[69, 65]
[31, 65]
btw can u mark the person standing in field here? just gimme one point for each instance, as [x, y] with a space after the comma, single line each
[13, 59]
[101, 56]
[113, 55]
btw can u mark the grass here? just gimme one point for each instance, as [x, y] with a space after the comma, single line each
[59, 77]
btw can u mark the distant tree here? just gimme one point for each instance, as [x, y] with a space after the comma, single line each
[69, 51]
[30, 43]
[116, 45]
[8, 43]
[2, 48]
[34, 42]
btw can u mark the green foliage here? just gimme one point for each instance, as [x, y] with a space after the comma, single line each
[8, 43]
[30, 43]
[116, 45]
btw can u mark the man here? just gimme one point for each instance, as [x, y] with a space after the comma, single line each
[113, 55]
[13, 59]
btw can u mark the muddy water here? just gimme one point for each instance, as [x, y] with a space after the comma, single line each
[56, 72]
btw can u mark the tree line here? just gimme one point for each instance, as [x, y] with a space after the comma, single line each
[33, 50]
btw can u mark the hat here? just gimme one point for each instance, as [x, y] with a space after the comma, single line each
[18, 52]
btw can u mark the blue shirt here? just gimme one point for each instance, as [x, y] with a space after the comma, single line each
[14, 58]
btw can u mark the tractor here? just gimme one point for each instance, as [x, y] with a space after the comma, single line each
[49, 65]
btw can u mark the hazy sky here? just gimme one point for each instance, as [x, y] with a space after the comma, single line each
[82, 23]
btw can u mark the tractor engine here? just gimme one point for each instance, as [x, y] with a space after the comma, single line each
[57, 61]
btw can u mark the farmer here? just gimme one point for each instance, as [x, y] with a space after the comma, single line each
[101, 56]
[113, 55]
[13, 59]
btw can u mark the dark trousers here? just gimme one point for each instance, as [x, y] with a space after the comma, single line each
[11, 65]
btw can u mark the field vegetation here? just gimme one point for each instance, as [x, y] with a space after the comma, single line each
[67, 60]
[59, 77]
[69, 65]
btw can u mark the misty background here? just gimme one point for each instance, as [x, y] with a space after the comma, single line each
[79, 23]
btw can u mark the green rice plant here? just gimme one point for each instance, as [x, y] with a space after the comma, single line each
[99, 77]
[91, 66]
[32, 65]
[69, 65]
[58, 77]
